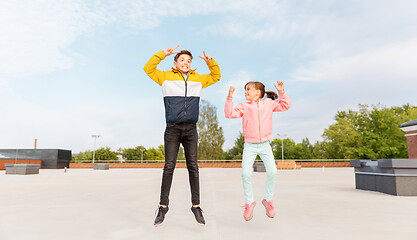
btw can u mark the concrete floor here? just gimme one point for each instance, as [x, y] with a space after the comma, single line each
[120, 204]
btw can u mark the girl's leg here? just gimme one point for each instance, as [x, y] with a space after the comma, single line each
[248, 158]
[271, 170]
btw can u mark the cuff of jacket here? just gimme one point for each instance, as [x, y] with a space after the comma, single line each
[160, 54]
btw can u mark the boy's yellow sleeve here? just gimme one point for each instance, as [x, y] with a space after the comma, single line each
[214, 75]
[150, 68]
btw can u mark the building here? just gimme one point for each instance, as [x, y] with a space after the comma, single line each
[410, 129]
[50, 158]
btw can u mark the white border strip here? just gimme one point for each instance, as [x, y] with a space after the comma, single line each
[387, 174]
[409, 128]
[410, 134]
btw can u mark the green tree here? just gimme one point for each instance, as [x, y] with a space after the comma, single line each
[148, 154]
[318, 151]
[154, 153]
[104, 153]
[237, 150]
[87, 155]
[290, 151]
[342, 139]
[210, 134]
[370, 133]
[181, 155]
[306, 149]
[133, 153]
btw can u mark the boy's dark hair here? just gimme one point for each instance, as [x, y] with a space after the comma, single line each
[181, 53]
[260, 86]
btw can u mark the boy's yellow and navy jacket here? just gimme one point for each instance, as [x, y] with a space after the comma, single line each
[181, 94]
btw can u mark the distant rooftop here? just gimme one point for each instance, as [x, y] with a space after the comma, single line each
[409, 123]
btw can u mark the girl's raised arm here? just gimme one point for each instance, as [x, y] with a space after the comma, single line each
[231, 91]
[229, 110]
[284, 102]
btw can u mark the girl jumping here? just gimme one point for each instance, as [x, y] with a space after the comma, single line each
[257, 129]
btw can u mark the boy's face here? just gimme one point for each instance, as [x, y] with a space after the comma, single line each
[251, 93]
[183, 63]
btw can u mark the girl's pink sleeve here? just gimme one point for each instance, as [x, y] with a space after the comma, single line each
[233, 112]
[283, 104]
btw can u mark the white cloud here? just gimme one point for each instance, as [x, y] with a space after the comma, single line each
[34, 34]
[72, 127]
[381, 65]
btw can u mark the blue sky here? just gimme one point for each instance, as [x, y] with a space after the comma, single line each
[70, 69]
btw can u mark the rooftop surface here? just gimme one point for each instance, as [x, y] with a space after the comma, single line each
[311, 203]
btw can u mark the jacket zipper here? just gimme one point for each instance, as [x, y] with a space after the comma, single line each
[185, 100]
[259, 122]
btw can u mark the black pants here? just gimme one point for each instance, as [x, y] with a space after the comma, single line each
[186, 134]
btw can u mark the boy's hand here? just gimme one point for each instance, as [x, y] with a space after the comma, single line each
[206, 58]
[231, 91]
[279, 86]
[170, 51]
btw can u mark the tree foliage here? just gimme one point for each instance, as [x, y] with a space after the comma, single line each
[134, 153]
[237, 150]
[210, 134]
[292, 150]
[148, 154]
[370, 133]
[100, 154]
[155, 153]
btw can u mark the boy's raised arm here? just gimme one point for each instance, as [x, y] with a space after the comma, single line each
[214, 75]
[150, 68]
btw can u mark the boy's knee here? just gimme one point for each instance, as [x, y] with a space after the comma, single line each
[192, 169]
[169, 167]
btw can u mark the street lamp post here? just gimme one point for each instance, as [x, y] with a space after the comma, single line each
[95, 139]
[282, 144]
[141, 161]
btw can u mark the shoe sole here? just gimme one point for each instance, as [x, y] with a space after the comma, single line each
[157, 225]
[266, 210]
[251, 216]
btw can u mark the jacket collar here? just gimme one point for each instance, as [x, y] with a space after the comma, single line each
[260, 101]
[175, 70]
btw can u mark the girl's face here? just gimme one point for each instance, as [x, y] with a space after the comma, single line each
[251, 93]
[183, 63]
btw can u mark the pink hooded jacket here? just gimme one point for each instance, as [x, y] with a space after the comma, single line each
[257, 116]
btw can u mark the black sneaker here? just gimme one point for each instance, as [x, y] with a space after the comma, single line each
[198, 213]
[160, 217]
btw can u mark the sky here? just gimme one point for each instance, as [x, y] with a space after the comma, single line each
[72, 69]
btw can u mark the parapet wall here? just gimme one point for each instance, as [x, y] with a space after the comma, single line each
[280, 165]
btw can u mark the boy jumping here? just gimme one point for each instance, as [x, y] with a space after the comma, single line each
[181, 87]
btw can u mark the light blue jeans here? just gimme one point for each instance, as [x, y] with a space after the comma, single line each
[250, 151]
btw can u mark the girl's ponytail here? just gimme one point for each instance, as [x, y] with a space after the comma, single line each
[272, 95]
